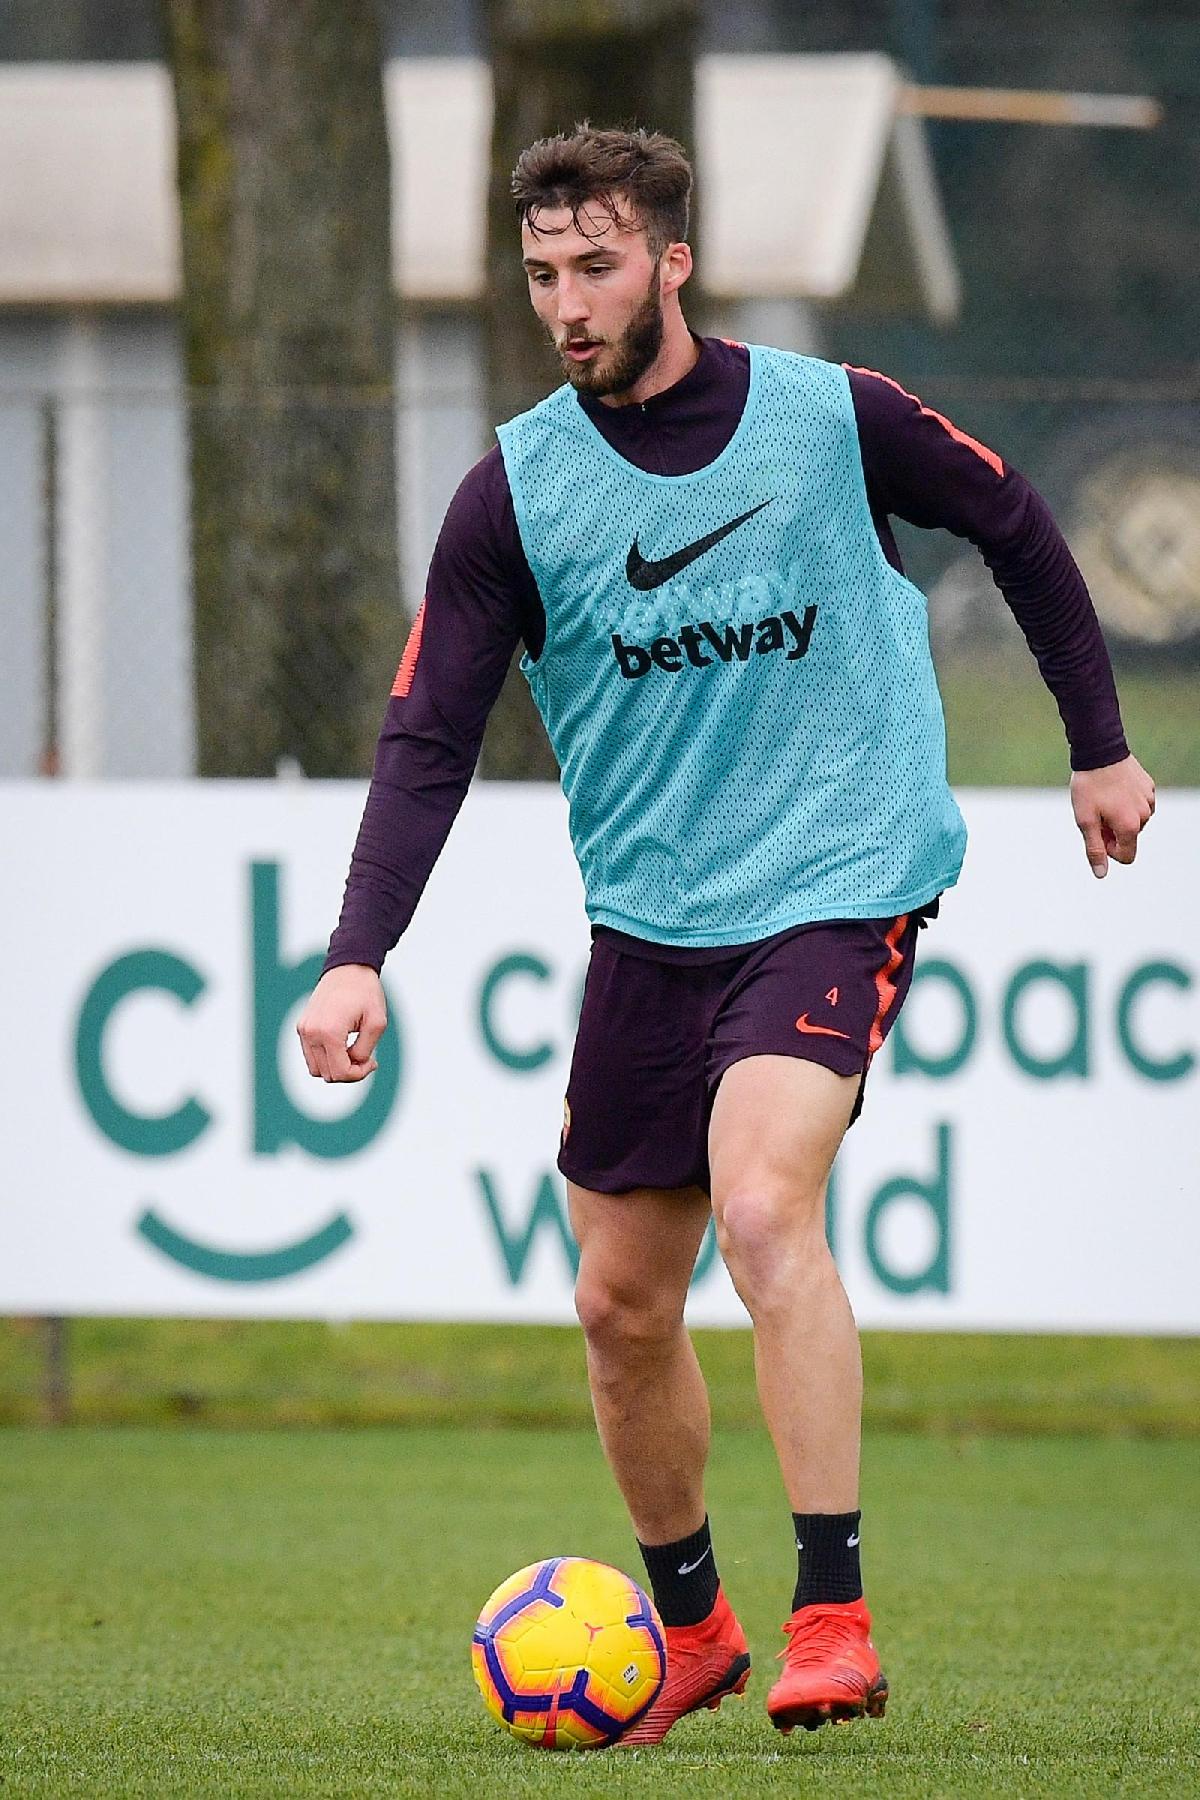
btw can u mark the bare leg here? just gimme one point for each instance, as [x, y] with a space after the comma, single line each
[776, 1126]
[637, 1252]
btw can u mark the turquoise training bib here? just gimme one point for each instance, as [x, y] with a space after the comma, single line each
[736, 683]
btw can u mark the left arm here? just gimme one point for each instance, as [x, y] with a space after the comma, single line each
[921, 467]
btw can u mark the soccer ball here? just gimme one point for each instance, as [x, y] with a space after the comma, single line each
[568, 1653]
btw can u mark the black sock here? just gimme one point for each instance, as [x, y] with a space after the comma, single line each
[828, 1548]
[683, 1577]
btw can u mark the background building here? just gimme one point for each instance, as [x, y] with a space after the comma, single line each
[1036, 281]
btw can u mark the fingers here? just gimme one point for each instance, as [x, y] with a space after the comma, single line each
[1116, 838]
[308, 1044]
[1124, 830]
[1093, 846]
[329, 1057]
[361, 1051]
[337, 1065]
[1123, 841]
[316, 1052]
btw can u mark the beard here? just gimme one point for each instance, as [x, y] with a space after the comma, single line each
[623, 362]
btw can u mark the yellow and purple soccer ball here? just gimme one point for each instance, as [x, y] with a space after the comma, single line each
[568, 1654]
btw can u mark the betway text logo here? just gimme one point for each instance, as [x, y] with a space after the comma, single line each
[729, 643]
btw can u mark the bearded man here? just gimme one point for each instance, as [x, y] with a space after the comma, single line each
[692, 540]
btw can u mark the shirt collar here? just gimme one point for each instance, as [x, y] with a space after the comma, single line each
[696, 386]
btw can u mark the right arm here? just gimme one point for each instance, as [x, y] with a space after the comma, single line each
[481, 601]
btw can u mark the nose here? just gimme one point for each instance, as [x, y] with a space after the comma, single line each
[572, 308]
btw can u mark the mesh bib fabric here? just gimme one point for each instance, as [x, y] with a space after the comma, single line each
[736, 683]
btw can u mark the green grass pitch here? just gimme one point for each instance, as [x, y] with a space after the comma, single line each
[205, 1612]
[289, 1372]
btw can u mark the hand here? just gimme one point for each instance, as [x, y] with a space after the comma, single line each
[346, 1000]
[1111, 806]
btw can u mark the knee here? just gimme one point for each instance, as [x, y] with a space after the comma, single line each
[625, 1318]
[772, 1239]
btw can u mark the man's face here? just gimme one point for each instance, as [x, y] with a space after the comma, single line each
[595, 287]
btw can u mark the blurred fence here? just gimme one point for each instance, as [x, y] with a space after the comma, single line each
[97, 592]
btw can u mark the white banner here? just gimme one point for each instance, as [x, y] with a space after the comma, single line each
[1027, 1158]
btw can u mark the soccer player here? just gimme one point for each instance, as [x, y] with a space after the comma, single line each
[692, 540]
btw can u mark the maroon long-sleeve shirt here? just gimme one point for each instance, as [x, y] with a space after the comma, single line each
[482, 602]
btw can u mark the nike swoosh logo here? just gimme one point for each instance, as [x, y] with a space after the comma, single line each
[645, 575]
[851, 1541]
[686, 1568]
[802, 1024]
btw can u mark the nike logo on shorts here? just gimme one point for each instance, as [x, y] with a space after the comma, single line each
[802, 1024]
[645, 575]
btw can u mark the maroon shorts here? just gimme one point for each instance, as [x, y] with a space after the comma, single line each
[655, 1039]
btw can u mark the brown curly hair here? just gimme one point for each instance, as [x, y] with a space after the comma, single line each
[588, 165]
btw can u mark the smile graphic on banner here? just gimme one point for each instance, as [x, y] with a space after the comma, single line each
[245, 1265]
[278, 1122]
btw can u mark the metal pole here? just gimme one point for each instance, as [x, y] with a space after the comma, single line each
[1032, 106]
[49, 760]
[56, 1373]
[84, 626]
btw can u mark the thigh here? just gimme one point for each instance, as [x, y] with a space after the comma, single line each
[777, 1124]
[636, 1111]
[640, 1246]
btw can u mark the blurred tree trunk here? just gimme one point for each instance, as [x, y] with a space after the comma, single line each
[289, 323]
[554, 64]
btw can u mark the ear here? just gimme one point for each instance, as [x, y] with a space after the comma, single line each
[674, 269]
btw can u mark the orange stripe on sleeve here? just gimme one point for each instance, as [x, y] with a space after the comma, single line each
[885, 981]
[408, 662]
[960, 437]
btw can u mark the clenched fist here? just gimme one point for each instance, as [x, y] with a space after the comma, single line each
[346, 1003]
[1111, 806]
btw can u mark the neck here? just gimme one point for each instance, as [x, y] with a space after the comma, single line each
[676, 358]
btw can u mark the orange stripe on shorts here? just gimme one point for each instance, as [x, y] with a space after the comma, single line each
[885, 981]
[408, 662]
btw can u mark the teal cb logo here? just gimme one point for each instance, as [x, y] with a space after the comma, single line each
[277, 1121]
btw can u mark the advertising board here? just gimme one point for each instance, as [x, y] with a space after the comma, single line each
[1027, 1157]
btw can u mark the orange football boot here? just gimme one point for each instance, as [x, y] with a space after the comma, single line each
[830, 1669]
[705, 1662]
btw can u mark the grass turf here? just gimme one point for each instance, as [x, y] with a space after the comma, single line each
[204, 1612]
[237, 1372]
[1022, 743]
